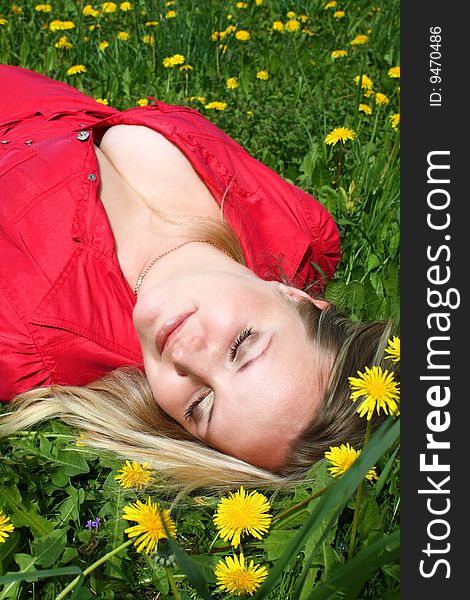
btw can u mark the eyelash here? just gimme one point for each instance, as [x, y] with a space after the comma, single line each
[189, 413]
[241, 337]
[238, 341]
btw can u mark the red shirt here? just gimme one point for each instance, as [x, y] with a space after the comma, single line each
[65, 306]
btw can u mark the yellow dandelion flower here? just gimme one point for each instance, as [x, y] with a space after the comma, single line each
[216, 106]
[102, 101]
[303, 18]
[241, 4]
[232, 83]
[89, 11]
[64, 42]
[200, 99]
[134, 475]
[151, 23]
[76, 70]
[394, 72]
[123, 36]
[292, 25]
[360, 40]
[368, 93]
[3, 21]
[186, 68]
[81, 440]
[94, 26]
[342, 457]
[148, 39]
[339, 134]
[173, 61]
[243, 35]
[377, 389]
[230, 29]
[278, 26]
[291, 14]
[142, 101]
[258, 2]
[171, 14]
[263, 75]
[331, 4]
[125, 6]
[393, 349]
[58, 25]
[242, 513]
[381, 99]
[215, 36]
[169, 3]
[103, 45]
[109, 7]
[45, 8]
[5, 527]
[366, 82]
[339, 14]
[338, 54]
[365, 108]
[395, 121]
[149, 529]
[236, 577]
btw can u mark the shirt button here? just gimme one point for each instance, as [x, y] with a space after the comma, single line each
[82, 136]
[5, 141]
[92, 177]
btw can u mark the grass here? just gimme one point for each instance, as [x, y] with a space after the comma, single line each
[49, 486]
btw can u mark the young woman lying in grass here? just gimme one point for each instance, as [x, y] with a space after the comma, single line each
[162, 292]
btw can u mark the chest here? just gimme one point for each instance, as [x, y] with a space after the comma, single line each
[142, 171]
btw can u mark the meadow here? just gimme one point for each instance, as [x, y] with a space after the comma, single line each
[311, 89]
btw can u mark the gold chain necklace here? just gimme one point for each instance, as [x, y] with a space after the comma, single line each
[144, 273]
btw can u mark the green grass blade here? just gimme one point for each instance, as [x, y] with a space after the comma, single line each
[355, 571]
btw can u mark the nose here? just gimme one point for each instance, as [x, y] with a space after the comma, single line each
[192, 357]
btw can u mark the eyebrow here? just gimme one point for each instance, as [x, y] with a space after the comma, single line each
[248, 365]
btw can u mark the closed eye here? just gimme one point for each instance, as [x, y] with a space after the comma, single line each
[207, 395]
[239, 341]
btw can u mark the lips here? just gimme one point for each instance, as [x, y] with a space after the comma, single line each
[169, 328]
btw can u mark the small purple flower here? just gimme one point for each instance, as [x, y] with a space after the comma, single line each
[93, 524]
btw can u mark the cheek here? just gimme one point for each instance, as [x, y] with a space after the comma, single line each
[169, 394]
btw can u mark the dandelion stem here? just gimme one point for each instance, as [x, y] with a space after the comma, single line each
[357, 506]
[172, 582]
[296, 507]
[340, 159]
[92, 567]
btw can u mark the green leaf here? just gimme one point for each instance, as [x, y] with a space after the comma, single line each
[60, 478]
[47, 549]
[373, 262]
[27, 515]
[275, 542]
[35, 575]
[72, 461]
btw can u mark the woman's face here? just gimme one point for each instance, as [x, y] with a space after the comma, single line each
[228, 358]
